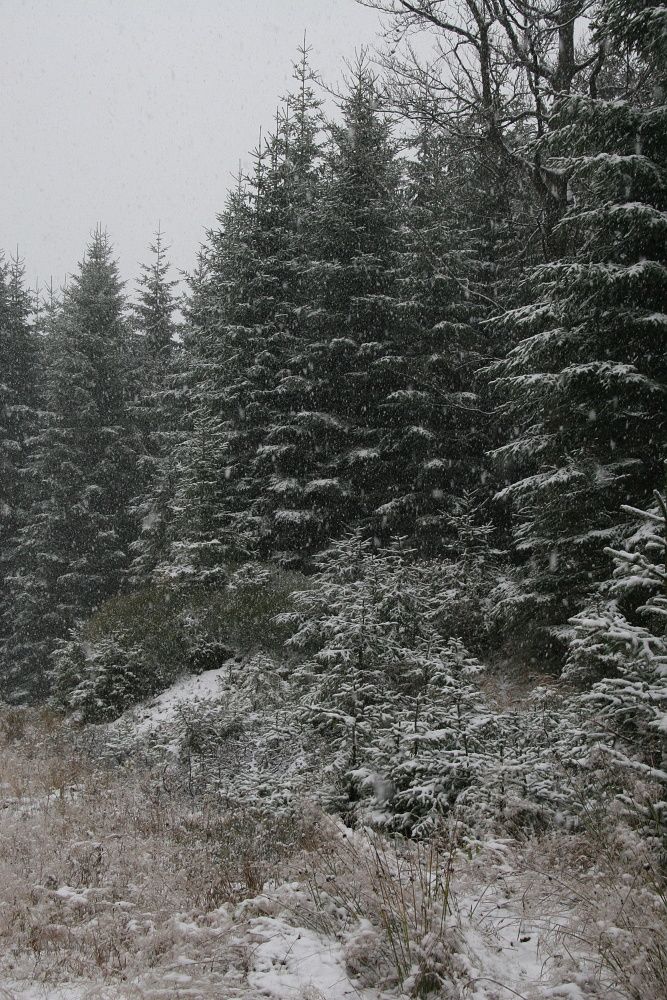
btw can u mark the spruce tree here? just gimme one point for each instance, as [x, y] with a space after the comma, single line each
[292, 189]
[74, 549]
[617, 651]
[219, 350]
[155, 306]
[157, 410]
[19, 416]
[326, 451]
[444, 300]
[391, 691]
[242, 346]
[584, 389]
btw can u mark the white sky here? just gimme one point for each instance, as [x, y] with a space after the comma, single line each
[130, 112]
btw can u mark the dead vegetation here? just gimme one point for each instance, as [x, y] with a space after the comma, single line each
[109, 876]
[96, 864]
[112, 879]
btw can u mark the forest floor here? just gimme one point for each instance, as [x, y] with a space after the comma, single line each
[113, 886]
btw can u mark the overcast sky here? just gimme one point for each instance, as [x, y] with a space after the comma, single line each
[131, 112]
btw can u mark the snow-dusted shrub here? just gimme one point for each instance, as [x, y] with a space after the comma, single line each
[398, 705]
[392, 696]
[621, 645]
[239, 617]
[249, 759]
[430, 752]
[133, 646]
[235, 734]
[255, 596]
[12, 723]
[137, 644]
[100, 680]
[533, 772]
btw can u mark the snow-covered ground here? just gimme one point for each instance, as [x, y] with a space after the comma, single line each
[190, 689]
[519, 927]
[259, 949]
[111, 887]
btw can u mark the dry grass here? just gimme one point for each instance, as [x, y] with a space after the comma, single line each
[398, 894]
[100, 868]
[591, 907]
[110, 879]
[622, 911]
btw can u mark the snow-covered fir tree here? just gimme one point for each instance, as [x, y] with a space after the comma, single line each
[19, 417]
[212, 520]
[332, 471]
[292, 189]
[584, 390]
[156, 409]
[383, 680]
[245, 346]
[617, 651]
[74, 548]
[441, 345]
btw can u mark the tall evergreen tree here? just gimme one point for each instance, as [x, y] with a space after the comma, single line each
[155, 305]
[584, 389]
[220, 349]
[444, 299]
[157, 409]
[74, 548]
[19, 354]
[328, 465]
[242, 344]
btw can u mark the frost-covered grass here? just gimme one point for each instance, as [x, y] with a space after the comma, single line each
[583, 915]
[621, 912]
[109, 879]
[399, 894]
[116, 883]
[102, 872]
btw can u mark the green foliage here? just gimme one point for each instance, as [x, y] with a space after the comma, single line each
[74, 547]
[98, 681]
[584, 388]
[137, 644]
[19, 421]
[617, 649]
[383, 682]
[157, 411]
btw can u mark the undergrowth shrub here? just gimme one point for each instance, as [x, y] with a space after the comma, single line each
[617, 654]
[243, 742]
[137, 644]
[12, 724]
[399, 705]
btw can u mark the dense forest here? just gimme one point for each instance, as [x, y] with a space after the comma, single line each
[393, 463]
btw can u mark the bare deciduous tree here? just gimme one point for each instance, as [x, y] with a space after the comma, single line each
[492, 72]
